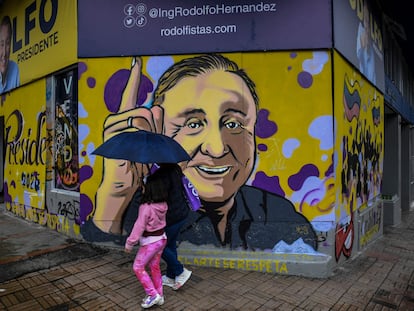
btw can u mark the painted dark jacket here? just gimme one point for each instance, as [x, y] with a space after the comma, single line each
[257, 221]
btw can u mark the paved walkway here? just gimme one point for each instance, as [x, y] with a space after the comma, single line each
[77, 276]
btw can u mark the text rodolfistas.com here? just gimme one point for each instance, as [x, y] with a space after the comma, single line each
[197, 30]
[194, 11]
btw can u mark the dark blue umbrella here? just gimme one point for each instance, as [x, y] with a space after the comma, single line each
[142, 147]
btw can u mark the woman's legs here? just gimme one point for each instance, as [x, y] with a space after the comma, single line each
[150, 254]
[169, 255]
[154, 266]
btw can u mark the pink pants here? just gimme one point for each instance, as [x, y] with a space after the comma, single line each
[150, 255]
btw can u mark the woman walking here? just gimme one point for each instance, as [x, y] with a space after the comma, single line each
[149, 230]
[177, 275]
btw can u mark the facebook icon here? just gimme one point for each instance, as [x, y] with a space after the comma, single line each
[129, 9]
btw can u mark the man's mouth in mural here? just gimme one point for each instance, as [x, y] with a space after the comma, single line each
[213, 170]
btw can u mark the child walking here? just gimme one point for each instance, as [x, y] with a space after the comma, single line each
[148, 230]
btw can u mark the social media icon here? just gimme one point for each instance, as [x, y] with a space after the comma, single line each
[129, 9]
[141, 8]
[129, 21]
[141, 21]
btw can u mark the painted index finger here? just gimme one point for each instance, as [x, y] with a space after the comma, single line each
[130, 93]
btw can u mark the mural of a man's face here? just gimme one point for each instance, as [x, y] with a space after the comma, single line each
[5, 39]
[213, 116]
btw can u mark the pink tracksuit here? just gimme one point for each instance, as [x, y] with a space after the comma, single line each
[149, 232]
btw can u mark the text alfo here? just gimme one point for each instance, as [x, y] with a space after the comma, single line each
[41, 14]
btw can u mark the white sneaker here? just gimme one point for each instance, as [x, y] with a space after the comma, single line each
[152, 300]
[181, 279]
[168, 281]
[160, 303]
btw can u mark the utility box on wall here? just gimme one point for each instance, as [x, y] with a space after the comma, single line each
[392, 210]
[370, 224]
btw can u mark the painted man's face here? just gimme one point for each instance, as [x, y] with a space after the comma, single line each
[213, 116]
[5, 39]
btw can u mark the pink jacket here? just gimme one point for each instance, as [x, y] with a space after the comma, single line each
[151, 217]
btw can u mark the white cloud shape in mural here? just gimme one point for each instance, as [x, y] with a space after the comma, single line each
[84, 131]
[27, 198]
[289, 146]
[324, 223]
[297, 247]
[82, 113]
[83, 134]
[40, 202]
[315, 65]
[321, 129]
[89, 149]
[312, 190]
[157, 65]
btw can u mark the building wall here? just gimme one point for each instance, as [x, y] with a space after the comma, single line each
[293, 154]
[359, 119]
[325, 165]
[40, 167]
[25, 155]
[307, 192]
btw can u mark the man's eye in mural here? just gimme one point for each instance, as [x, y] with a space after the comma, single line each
[194, 124]
[231, 125]
[234, 126]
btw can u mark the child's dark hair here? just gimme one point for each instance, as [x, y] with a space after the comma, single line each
[155, 189]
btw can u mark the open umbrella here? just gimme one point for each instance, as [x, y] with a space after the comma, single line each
[142, 147]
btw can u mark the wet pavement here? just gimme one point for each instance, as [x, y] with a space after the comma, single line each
[41, 269]
[26, 247]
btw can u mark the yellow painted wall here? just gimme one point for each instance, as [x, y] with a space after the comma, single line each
[25, 138]
[359, 115]
[294, 130]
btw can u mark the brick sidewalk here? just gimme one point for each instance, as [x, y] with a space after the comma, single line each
[381, 278]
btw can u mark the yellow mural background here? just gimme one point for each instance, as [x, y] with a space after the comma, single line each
[276, 74]
[30, 101]
[370, 97]
[293, 108]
